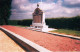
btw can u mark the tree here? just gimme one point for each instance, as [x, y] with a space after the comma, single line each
[5, 6]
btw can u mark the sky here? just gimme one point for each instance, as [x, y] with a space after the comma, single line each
[23, 9]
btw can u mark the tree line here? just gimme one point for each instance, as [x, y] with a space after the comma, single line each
[60, 23]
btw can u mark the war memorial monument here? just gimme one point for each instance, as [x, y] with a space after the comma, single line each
[38, 22]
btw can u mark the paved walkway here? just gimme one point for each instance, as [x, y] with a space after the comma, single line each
[51, 42]
[8, 45]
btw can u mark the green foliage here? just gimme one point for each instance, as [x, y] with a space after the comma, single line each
[64, 23]
[26, 22]
[68, 32]
[5, 6]
[13, 22]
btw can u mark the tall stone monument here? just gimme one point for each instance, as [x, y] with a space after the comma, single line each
[39, 19]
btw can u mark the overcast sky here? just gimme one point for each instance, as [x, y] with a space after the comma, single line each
[23, 9]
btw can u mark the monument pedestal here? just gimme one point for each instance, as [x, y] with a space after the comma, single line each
[40, 26]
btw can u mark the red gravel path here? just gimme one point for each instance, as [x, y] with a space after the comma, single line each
[51, 42]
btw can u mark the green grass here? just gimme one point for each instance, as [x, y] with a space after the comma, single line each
[20, 25]
[69, 32]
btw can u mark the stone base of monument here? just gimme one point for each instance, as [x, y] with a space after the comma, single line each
[48, 29]
[41, 29]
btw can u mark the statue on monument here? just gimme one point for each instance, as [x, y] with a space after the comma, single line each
[37, 5]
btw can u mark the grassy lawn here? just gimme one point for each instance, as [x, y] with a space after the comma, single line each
[19, 25]
[66, 31]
